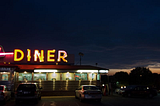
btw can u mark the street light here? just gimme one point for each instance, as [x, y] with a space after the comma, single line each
[80, 54]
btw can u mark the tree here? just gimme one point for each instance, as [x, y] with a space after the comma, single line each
[156, 80]
[141, 76]
[121, 78]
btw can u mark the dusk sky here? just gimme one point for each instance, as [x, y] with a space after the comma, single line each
[116, 34]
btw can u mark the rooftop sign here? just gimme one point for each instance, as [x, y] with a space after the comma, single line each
[35, 56]
[39, 55]
[2, 52]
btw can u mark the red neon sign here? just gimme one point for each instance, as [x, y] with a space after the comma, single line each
[3, 53]
[37, 56]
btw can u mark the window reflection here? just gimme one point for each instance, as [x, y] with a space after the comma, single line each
[53, 76]
[81, 76]
[67, 76]
[92, 76]
[4, 77]
[25, 76]
[39, 76]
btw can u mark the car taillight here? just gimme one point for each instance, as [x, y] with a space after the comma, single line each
[84, 92]
[15, 93]
[35, 92]
[2, 93]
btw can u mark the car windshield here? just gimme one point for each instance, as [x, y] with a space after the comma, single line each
[1, 87]
[26, 86]
[131, 87]
[90, 88]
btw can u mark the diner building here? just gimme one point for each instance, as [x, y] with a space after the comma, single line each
[56, 78]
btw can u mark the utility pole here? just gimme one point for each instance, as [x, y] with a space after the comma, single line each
[80, 54]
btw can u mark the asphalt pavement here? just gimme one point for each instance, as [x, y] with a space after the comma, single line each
[111, 100]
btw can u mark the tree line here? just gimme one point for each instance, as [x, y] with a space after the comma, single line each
[137, 76]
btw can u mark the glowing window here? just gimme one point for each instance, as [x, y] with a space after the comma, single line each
[53, 76]
[25, 76]
[81, 76]
[40, 76]
[4, 76]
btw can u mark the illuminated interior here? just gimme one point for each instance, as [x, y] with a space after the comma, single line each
[50, 75]
[39, 76]
[4, 76]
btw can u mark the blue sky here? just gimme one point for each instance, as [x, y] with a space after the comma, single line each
[116, 34]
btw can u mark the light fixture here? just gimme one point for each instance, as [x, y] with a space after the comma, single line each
[4, 73]
[103, 71]
[67, 74]
[54, 74]
[96, 71]
[45, 70]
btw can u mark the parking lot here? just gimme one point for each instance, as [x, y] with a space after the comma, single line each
[112, 100]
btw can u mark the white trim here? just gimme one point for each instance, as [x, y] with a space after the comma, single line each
[94, 71]
[45, 70]
[103, 71]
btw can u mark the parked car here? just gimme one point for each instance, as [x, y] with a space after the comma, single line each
[138, 90]
[5, 94]
[120, 90]
[86, 92]
[28, 91]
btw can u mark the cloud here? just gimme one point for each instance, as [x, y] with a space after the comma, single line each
[114, 34]
[154, 65]
[113, 71]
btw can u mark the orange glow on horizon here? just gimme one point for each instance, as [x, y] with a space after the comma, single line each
[152, 69]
